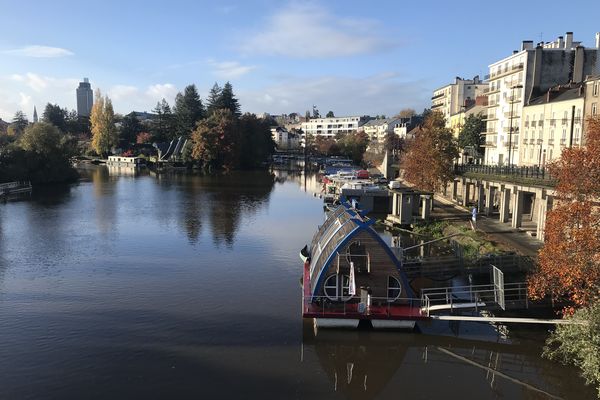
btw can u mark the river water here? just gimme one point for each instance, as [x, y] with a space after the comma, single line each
[186, 286]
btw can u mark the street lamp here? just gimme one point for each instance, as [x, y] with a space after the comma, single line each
[510, 131]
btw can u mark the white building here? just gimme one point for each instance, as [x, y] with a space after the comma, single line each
[551, 122]
[329, 127]
[285, 140]
[377, 129]
[450, 99]
[525, 75]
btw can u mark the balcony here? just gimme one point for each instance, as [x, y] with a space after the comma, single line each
[525, 141]
[563, 142]
[512, 115]
[514, 99]
[437, 105]
[490, 130]
[540, 141]
[491, 117]
[550, 142]
[437, 96]
[489, 90]
[564, 121]
[552, 122]
[541, 123]
[532, 141]
[506, 71]
[515, 129]
[533, 124]
[492, 103]
[490, 143]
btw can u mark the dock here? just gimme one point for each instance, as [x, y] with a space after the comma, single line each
[11, 189]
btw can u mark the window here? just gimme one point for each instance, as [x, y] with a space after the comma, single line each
[337, 287]
[596, 85]
[594, 108]
[394, 289]
[552, 134]
[531, 153]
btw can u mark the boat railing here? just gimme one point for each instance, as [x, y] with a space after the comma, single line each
[355, 305]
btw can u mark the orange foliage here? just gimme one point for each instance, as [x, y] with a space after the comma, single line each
[569, 262]
[429, 159]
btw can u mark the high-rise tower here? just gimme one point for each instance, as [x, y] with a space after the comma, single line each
[85, 98]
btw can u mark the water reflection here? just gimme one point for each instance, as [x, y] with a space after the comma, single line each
[369, 364]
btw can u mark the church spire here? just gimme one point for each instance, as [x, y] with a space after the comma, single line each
[35, 116]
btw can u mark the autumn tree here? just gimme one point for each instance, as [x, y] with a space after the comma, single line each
[429, 159]
[569, 262]
[143, 137]
[215, 141]
[102, 119]
[406, 113]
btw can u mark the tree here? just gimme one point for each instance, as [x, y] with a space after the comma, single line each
[569, 262]
[326, 146]
[229, 101]
[330, 114]
[354, 145]
[578, 344]
[143, 137]
[214, 101]
[130, 128]
[43, 138]
[435, 146]
[406, 113]
[215, 141]
[19, 122]
[56, 116]
[394, 144]
[104, 132]
[163, 126]
[470, 134]
[188, 111]
[256, 141]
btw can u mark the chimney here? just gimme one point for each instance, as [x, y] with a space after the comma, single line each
[598, 40]
[568, 40]
[537, 72]
[526, 45]
[561, 42]
[578, 64]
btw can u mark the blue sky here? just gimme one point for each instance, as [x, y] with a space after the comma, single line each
[352, 57]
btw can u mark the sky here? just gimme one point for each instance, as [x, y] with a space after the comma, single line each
[348, 56]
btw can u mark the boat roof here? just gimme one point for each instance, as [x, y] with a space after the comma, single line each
[342, 224]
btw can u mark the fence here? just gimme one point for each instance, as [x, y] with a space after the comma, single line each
[513, 171]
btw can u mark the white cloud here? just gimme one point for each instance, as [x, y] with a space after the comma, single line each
[229, 69]
[122, 92]
[161, 91]
[25, 101]
[310, 31]
[40, 51]
[383, 93]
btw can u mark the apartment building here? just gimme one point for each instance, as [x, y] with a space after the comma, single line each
[377, 129]
[450, 99]
[330, 127]
[525, 75]
[551, 123]
[472, 107]
[285, 140]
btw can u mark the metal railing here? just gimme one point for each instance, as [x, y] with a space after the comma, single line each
[522, 172]
[353, 306]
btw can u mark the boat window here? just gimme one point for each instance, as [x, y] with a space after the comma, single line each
[394, 288]
[330, 287]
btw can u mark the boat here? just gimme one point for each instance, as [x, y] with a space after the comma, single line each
[351, 275]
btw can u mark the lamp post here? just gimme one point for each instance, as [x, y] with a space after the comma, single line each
[510, 129]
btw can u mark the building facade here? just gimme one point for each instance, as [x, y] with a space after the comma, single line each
[525, 75]
[330, 127]
[377, 129]
[592, 100]
[551, 123]
[285, 140]
[477, 107]
[85, 98]
[450, 99]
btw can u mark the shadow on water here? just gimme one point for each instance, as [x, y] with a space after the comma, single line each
[369, 364]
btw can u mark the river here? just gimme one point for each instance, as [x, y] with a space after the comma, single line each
[181, 286]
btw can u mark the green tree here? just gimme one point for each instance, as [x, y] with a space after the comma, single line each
[104, 132]
[130, 128]
[163, 126]
[56, 116]
[470, 134]
[19, 123]
[188, 111]
[214, 101]
[255, 140]
[229, 101]
[42, 138]
[579, 344]
[354, 145]
[215, 141]
[330, 114]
